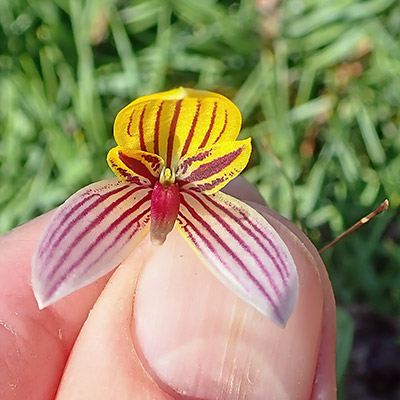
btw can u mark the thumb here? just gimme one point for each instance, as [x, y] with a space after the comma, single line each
[187, 336]
[198, 339]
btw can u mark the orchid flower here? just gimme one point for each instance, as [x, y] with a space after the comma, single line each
[175, 151]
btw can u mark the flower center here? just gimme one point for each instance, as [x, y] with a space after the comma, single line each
[167, 177]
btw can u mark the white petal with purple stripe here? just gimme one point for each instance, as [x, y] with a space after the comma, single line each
[243, 250]
[88, 236]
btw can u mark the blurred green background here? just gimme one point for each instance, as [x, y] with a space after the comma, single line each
[317, 81]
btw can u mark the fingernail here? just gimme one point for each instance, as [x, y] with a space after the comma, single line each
[199, 340]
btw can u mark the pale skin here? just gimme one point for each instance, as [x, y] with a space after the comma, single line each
[163, 327]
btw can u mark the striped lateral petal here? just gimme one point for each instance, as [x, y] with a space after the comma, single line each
[135, 166]
[88, 236]
[243, 250]
[211, 168]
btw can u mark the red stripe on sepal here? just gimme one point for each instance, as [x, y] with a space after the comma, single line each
[192, 129]
[211, 126]
[171, 136]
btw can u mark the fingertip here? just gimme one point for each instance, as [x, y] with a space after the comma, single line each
[201, 341]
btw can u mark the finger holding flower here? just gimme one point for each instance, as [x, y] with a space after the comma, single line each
[175, 151]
